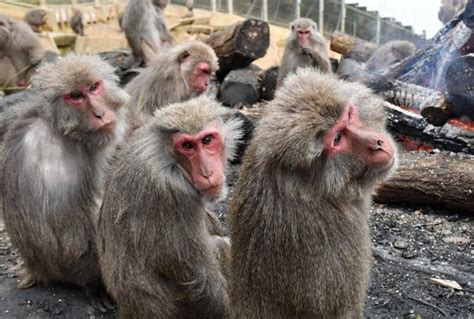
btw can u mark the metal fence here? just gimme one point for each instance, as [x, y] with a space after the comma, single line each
[331, 15]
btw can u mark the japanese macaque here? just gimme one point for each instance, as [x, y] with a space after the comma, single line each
[54, 160]
[36, 19]
[298, 216]
[159, 250]
[146, 31]
[177, 75]
[305, 46]
[449, 9]
[76, 23]
[190, 7]
[20, 53]
[390, 53]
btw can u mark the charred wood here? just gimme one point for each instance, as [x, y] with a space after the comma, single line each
[238, 45]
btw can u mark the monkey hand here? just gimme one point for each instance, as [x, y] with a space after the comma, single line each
[306, 51]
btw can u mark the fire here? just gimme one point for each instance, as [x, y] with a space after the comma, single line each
[414, 144]
[464, 124]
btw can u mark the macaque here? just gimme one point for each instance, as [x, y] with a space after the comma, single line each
[177, 75]
[298, 216]
[146, 31]
[390, 53]
[449, 9]
[158, 249]
[77, 24]
[54, 161]
[20, 54]
[36, 19]
[189, 6]
[305, 46]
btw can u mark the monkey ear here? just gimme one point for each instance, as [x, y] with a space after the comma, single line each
[183, 56]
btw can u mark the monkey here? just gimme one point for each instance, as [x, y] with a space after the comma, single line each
[449, 9]
[305, 46]
[160, 4]
[144, 26]
[76, 23]
[36, 19]
[176, 75]
[189, 6]
[390, 53]
[20, 53]
[300, 245]
[54, 160]
[159, 255]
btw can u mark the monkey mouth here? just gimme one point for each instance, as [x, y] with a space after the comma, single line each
[109, 126]
[212, 190]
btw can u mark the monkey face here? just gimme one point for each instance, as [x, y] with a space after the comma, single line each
[201, 157]
[91, 103]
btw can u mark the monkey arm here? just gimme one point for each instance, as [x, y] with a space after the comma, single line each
[318, 61]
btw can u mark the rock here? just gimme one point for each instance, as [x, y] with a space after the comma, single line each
[458, 240]
[400, 244]
[446, 283]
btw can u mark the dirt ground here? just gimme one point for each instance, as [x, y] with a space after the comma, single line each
[411, 245]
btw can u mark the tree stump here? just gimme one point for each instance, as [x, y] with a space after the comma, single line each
[351, 47]
[238, 45]
[240, 87]
[268, 83]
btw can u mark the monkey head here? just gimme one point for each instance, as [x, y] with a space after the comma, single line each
[202, 137]
[197, 62]
[82, 95]
[332, 128]
[303, 29]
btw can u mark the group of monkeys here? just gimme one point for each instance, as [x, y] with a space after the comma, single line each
[110, 188]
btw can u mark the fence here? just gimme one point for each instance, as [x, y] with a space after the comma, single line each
[331, 15]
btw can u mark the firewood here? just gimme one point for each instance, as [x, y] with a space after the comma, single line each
[240, 87]
[240, 44]
[441, 180]
[352, 47]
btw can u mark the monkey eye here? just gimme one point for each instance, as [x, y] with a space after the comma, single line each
[337, 138]
[94, 87]
[207, 139]
[76, 95]
[187, 145]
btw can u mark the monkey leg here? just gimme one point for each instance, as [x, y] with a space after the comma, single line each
[27, 278]
[98, 297]
[150, 51]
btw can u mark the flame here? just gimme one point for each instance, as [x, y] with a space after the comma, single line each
[464, 124]
[414, 144]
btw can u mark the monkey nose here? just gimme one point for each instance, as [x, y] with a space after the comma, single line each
[379, 142]
[98, 113]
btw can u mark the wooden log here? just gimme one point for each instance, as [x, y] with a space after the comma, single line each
[426, 66]
[240, 87]
[403, 123]
[239, 44]
[459, 85]
[352, 47]
[268, 83]
[442, 180]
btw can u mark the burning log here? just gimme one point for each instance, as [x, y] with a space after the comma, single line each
[238, 45]
[427, 66]
[460, 85]
[448, 137]
[443, 180]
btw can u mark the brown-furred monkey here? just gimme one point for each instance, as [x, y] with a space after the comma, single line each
[20, 54]
[54, 161]
[175, 76]
[160, 253]
[298, 216]
[305, 46]
[144, 25]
